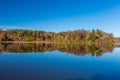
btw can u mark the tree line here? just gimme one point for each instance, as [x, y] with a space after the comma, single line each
[76, 36]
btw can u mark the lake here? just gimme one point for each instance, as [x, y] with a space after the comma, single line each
[58, 62]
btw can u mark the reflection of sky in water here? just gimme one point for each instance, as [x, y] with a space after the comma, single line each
[60, 66]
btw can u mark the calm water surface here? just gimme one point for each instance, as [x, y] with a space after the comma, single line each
[57, 65]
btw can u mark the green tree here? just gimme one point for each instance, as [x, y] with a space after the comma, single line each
[29, 38]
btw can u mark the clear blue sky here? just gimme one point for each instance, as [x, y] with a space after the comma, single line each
[61, 15]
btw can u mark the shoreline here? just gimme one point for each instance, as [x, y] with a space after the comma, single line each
[116, 43]
[40, 42]
[28, 42]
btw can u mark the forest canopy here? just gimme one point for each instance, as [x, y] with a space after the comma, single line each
[76, 36]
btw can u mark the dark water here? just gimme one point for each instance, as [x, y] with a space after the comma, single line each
[53, 62]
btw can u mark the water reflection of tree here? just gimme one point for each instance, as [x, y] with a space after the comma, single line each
[76, 49]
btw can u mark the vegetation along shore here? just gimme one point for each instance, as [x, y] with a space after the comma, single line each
[97, 37]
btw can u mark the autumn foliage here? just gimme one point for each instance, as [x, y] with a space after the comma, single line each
[77, 36]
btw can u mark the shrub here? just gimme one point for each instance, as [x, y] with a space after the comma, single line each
[29, 39]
